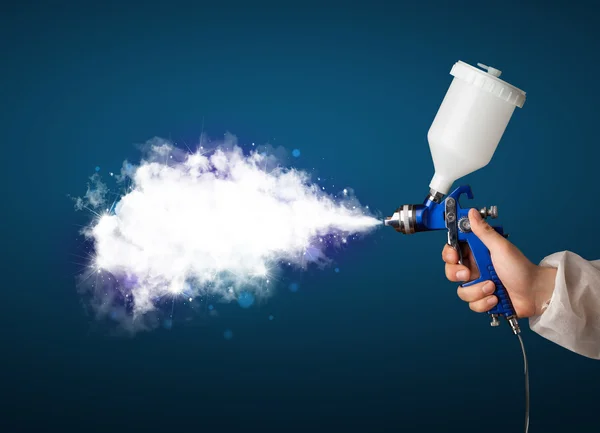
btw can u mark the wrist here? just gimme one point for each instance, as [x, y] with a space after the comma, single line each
[543, 287]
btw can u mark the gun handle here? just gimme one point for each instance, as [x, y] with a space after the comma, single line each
[483, 260]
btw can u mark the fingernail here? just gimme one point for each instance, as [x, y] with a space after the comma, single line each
[462, 275]
[491, 301]
[488, 288]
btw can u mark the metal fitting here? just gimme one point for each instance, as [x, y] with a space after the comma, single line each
[492, 212]
[435, 196]
[403, 220]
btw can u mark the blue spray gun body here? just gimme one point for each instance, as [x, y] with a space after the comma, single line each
[435, 214]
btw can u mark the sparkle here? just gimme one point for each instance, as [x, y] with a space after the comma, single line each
[261, 270]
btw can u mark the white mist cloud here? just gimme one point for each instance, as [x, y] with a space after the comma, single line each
[221, 223]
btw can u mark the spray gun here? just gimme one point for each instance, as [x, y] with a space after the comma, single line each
[449, 215]
[462, 139]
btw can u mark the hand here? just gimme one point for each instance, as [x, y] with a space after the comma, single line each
[527, 284]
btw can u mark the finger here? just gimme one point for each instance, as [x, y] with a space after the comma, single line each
[457, 273]
[476, 292]
[470, 263]
[484, 304]
[490, 237]
[449, 255]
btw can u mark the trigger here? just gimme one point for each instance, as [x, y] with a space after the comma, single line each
[456, 245]
[452, 227]
[460, 257]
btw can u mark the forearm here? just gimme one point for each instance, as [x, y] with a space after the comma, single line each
[572, 318]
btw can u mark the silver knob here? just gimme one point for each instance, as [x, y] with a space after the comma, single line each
[492, 212]
[495, 321]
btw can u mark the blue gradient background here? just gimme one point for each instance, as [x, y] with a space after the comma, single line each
[384, 345]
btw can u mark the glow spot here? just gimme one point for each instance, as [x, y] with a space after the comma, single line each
[210, 307]
[294, 287]
[337, 270]
[228, 334]
[271, 317]
[261, 270]
[97, 168]
[296, 153]
[246, 299]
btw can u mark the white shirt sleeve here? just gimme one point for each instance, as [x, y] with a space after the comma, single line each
[572, 318]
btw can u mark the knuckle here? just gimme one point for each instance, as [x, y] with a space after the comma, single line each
[451, 257]
[471, 294]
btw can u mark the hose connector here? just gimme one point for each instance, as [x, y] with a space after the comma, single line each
[514, 324]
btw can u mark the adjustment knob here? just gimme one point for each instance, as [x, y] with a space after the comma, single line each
[464, 225]
[492, 212]
[495, 322]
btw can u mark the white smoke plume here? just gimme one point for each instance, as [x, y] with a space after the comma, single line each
[219, 223]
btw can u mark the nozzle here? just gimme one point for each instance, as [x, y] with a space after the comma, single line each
[404, 220]
[393, 221]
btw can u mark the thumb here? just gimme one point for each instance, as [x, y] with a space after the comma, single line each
[490, 237]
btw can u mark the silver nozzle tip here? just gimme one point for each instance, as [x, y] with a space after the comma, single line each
[393, 221]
